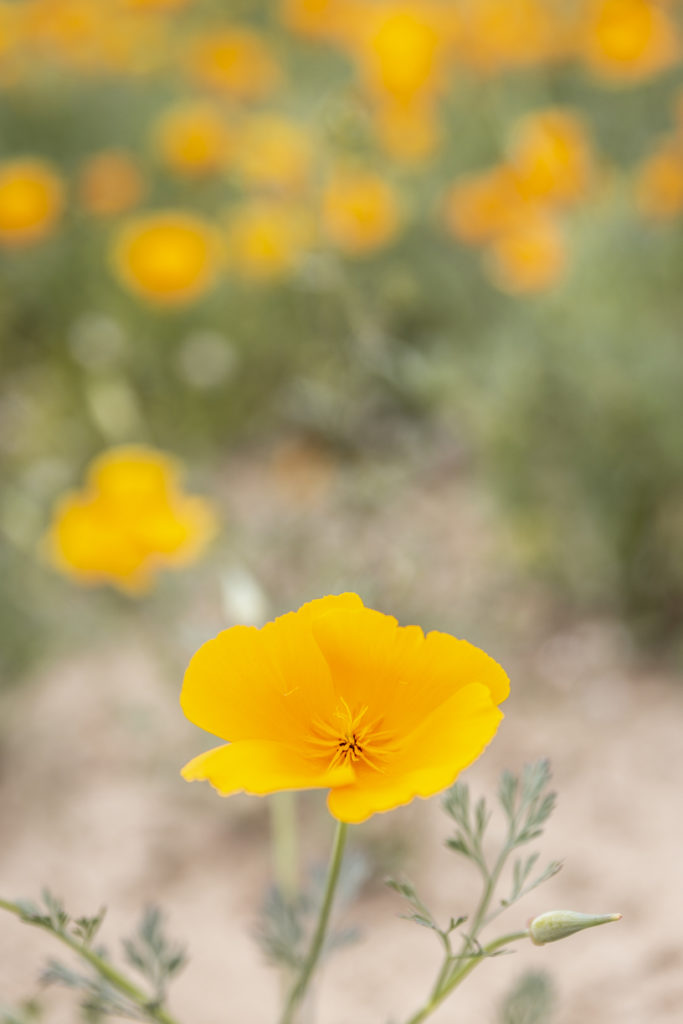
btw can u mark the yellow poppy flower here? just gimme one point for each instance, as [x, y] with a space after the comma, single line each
[629, 39]
[234, 61]
[400, 49]
[31, 200]
[193, 139]
[338, 696]
[529, 258]
[318, 19]
[155, 6]
[130, 520]
[88, 37]
[659, 183]
[274, 153]
[10, 29]
[267, 239]
[480, 206]
[360, 211]
[496, 34]
[551, 156]
[169, 258]
[110, 183]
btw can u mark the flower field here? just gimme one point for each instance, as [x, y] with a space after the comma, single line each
[338, 297]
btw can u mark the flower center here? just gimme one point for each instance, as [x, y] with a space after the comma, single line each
[349, 749]
[352, 738]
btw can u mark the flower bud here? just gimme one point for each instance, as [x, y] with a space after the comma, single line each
[558, 924]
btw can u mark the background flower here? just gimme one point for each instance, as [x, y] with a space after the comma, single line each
[31, 200]
[169, 258]
[131, 520]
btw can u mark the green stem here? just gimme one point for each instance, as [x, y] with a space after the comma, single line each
[491, 883]
[284, 840]
[455, 979]
[479, 916]
[104, 969]
[301, 985]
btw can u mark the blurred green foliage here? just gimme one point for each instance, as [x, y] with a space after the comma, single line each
[568, 400]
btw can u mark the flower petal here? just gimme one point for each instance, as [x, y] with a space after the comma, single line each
[365, 650]
[259, 684]
[437, 669]
[430, 758]
[320, 605]
[260, 766]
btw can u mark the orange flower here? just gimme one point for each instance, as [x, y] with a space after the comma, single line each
[92, 37]
[193, 139]
[338, 696]
[659, 183]
[360, 211]
[481, 206]
[31, 200]
[69, 29]
[497, 34]
[169, 257]
[551, 156]
[529, 258]
[155, 6]
[10, 29]
[274, 153]
[131, 520]
[318, 19]
[629, 39]
[268, 239]
[234, 61]
[110, 183]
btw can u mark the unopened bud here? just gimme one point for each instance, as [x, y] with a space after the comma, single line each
[558, 924]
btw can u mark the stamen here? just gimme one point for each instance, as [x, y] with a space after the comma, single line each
[358, 740]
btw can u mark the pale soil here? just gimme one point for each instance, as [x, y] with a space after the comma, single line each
[92, 805]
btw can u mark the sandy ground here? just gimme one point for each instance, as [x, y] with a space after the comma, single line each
[92, 805]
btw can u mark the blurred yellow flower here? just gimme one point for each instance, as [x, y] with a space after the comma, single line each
[267, 238]
[481, 206]
[91, 37]
[400, 48]
[360, 211]
[529, 258]
[77, 32]
[110, 183]
[156, 5]
[629, 39]
[10, 27]
[193, 138]
[318, 19]
[551, 156]
[496, 34]
[338, 696]
[168, 257]
[31, 200]
[659, 183]
[234, 61]
[130, 520]
[274, 153]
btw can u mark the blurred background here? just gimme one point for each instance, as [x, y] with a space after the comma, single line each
[313, 295]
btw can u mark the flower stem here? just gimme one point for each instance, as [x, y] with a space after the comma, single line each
[301, 985]
[284, 842]
[104, 969]
[456, 978]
